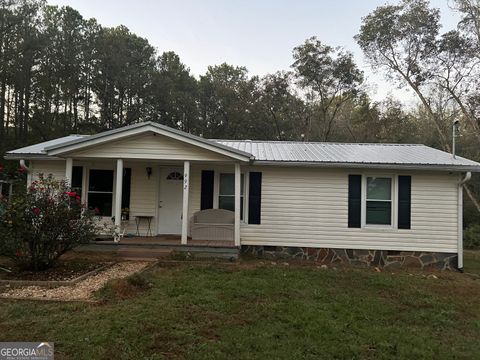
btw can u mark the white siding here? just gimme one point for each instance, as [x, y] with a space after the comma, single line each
[150, 146]
[143, 197]
[47, 167]
[309, 207]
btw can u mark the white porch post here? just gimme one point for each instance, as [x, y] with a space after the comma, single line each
[68, 170]
[118, 195]
[237, 204]
[186, 189]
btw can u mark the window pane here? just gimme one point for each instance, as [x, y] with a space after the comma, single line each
[101, 202]
[228, 203]
[379, 188]
[379, 212]
[227, 184]
[101, 180]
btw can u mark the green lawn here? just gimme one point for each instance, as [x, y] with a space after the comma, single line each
[263, 312]
[471, 261]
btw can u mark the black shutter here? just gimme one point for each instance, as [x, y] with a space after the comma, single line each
[404, 201]
[126, 189]
[255, 198]
[354, 201]
[206, 199]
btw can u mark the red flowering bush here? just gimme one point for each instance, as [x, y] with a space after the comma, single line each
[38, 226]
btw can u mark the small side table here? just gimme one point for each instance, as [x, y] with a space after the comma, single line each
[148, 219]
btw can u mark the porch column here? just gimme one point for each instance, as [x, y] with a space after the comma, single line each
[118, 195]
[68, 170]
[237, 204]
[186, 189]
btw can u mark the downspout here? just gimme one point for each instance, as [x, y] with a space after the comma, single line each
[467, 177]
[27, 169]
[23, 166]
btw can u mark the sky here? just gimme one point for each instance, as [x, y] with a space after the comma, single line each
[257, 34]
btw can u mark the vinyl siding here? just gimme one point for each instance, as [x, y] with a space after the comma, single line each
[150, 146]
[143, 197]
[309, 207]
[47, 167]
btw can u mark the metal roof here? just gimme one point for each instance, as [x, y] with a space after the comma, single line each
[341, 153]
[39, 149]
[407, 156]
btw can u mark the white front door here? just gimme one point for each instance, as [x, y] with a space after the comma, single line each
[170, 201]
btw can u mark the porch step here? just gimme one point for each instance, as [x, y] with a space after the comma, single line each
[143, 253]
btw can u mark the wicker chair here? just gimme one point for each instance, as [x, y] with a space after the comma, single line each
[213, 224]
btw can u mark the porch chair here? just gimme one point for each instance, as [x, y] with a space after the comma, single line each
[213, 224]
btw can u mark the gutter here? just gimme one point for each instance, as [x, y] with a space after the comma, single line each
[462, 182]
[25, 156]
[383, 166]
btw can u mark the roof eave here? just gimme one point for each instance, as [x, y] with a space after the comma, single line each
[454, 168]
[30, 157]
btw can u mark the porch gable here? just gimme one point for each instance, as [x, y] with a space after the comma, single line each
[149, 146]
[166, 133]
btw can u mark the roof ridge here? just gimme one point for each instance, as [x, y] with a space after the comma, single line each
[315, 142]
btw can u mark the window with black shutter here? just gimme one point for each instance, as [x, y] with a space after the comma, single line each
[255, 198]
[404, 201]
[207, 186]
[354, 201]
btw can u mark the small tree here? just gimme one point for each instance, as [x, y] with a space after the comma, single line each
[38, 226]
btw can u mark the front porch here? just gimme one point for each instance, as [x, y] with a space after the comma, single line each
[140, 200]
[161, 246]
[149, 179]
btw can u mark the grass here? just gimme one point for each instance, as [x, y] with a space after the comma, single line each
[471, 261]
[261, 312]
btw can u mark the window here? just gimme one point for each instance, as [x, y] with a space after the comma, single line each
[77, 177]
[100, 192]
[175, 175]
[226, 193]
[379, 201]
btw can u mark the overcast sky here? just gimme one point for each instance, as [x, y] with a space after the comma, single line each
[257, 34]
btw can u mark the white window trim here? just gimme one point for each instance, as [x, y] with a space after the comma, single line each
[394, 191]
[216, 191]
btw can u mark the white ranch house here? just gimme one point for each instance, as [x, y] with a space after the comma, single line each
[371, 204]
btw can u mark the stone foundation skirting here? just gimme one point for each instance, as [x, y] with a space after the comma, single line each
[387, 259]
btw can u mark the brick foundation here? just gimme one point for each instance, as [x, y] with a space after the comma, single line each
[380, 258]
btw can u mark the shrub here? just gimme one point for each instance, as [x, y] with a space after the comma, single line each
[471, 237]
[38, 226]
